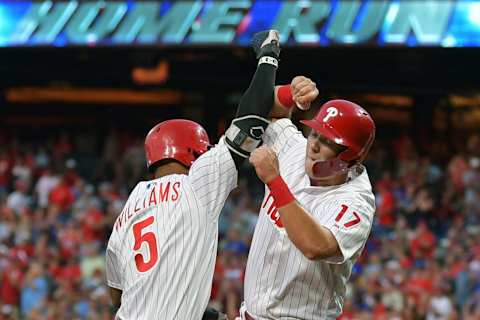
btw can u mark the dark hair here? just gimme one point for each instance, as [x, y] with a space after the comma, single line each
[154, 166]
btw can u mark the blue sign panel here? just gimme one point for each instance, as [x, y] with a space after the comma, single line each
[446, 23]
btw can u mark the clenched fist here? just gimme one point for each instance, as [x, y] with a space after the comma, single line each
[304, 92]
[265, 162]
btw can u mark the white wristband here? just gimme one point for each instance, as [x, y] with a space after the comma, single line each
[269, 60]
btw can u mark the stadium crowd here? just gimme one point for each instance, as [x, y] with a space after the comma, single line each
[60, 195]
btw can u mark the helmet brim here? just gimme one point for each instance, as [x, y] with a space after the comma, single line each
[324, 130]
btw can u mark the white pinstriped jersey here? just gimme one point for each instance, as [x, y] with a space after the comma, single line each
[163, 246]
[281, 283]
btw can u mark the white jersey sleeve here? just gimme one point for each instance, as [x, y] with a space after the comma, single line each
[113, 273]
[350, 221]
[213, 175]
[112, 256]
[281, 135]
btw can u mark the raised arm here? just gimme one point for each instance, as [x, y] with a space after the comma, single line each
[334, 240]
[246, 130]
[301, 92]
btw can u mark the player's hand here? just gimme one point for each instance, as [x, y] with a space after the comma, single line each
[304, 91]
[265, 162]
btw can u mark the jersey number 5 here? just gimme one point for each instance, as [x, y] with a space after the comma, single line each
[150, 239]
[350, 223]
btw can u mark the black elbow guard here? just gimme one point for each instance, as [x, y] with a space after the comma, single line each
[245, 134]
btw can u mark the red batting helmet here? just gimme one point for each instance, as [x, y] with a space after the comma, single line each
[346, 124]
[178, 139]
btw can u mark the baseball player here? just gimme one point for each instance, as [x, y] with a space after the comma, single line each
[317, 210]
[161, 253]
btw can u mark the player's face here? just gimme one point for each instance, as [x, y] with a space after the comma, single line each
[319, 148]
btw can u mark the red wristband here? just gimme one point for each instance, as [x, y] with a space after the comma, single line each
[285, 96]
[280, 192]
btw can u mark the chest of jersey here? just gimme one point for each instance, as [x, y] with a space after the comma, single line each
[292, 169]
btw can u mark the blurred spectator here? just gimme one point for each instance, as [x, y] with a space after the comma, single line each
[471, 180]
[18, 200]
[234, 243]
[92, 222]
[21, 170]
[62, 195]
[385, 202]
[92, 261]
[471, 310]
[34, 290]
[4, 173]
[457, 168]
[11, 278]
[45, 185]
[441, 306]
[423, 242]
